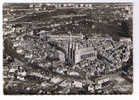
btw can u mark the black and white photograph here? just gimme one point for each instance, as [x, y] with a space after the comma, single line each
[68, 48]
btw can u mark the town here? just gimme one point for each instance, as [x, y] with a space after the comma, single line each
[67, 48]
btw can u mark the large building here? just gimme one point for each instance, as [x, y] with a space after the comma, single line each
[73, 54]
[64, 37]
[76, 55]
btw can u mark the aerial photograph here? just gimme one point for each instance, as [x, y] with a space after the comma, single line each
[67, 48]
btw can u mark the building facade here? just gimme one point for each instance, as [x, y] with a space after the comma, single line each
[76, 55]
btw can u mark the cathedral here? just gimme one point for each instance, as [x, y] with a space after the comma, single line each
[75, 55]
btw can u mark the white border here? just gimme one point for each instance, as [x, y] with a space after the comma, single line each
[135, 49]
[64, 1]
